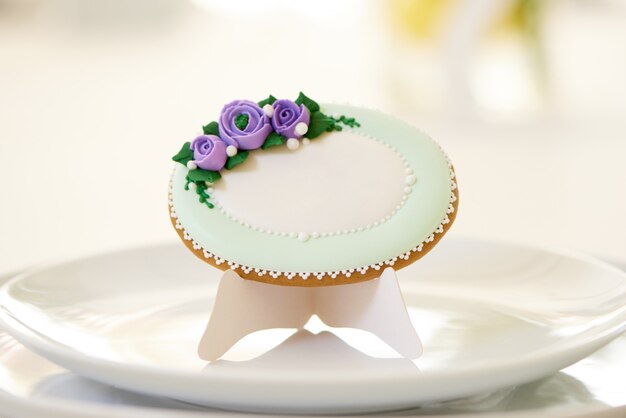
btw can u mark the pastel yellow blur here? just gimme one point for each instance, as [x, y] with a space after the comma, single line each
[425, 19]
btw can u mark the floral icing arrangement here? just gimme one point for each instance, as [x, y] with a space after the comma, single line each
[244, 126]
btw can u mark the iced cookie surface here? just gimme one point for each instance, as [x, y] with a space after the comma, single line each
[335, 208]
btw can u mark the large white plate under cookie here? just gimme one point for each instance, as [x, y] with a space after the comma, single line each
[32, 387]
[490, 316]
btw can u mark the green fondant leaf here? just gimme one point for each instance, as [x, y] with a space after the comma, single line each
[309, 103]
[319, 124]
[211, 129]
[270, 100]
[184, 155]
[233, 162]
[203, 175]
[273, 139]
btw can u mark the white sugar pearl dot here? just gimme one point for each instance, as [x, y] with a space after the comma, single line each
[306, 141]
[231, 150]
[303, 236]
[315, 235]
[191, 165]
[268, 110]
[192, 186]
[293, 144]
[407, 189]
[410, 179]
[301, 128]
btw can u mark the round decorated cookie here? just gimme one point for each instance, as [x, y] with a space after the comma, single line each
[295, 193]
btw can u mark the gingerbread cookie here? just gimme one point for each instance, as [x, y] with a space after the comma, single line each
[294, 193]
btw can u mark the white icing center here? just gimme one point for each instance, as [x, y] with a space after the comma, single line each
[318, 188]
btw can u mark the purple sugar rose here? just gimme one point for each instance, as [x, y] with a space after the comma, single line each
[244, 125]
[287, 115]
[209, 152]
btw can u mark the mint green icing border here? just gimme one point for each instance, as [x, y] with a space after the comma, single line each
[417, 219]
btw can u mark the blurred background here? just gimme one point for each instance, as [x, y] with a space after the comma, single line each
[528, 97]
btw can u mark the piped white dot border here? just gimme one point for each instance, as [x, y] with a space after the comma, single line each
[320, 275]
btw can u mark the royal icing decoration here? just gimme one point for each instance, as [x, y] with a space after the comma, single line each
[386, 192]
[244, 126]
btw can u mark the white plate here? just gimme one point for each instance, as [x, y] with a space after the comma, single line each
[490, 315]
[32, 387]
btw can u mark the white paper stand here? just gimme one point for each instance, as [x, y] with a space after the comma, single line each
[245, 306]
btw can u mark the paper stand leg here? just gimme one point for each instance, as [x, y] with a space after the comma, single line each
[244, 306]
[376, 306]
